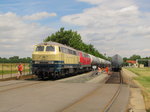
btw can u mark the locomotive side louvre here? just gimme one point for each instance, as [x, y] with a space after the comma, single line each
[69, 56]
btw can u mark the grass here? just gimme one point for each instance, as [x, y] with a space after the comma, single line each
[148, 110]
[10, 68]
[140, 71]
[144, 81]
[144, 76]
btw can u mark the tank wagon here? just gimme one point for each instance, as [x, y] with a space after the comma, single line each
[116, 63]
[51, 59]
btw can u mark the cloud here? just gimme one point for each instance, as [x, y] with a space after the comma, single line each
[17, 36]
[117, 26]
[39, 16]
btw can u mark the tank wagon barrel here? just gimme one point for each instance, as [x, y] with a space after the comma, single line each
[116, 62]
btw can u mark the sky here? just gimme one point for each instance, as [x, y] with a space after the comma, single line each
[112, 26]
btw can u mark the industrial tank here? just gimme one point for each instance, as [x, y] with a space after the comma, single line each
[116, 62]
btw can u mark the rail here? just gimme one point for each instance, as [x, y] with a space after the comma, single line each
[110, 103]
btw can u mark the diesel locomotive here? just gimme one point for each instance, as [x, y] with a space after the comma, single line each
[53, 60]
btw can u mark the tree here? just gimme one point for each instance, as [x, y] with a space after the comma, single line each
[73, 39]
[135, 57]
[125, 59]
[15, 59]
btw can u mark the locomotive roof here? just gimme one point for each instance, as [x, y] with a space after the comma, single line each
[55, 43]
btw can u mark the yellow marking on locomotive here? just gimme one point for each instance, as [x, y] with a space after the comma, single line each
[54, 56]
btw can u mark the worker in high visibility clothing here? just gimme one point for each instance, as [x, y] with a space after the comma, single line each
[107, 69]
[20, 69]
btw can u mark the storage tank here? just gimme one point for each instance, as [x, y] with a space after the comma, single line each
[94, 61]
[116, 62]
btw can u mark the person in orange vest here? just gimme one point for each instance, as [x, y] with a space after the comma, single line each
[20, 69]
[107, 69]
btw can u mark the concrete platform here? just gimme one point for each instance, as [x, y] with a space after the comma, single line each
[45, 97]
[101, 78]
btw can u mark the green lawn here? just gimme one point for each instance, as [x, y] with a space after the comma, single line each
[144, 76]
[13, 71]
[144, 80]
[140, 71]
[8, 68]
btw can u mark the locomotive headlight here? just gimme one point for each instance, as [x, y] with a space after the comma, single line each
[36, 62]
[51, 62]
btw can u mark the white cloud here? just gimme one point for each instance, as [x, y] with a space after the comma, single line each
[116, 24]
[17, 37]
[39, 15]
[130, 8]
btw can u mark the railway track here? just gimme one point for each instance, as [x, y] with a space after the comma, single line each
[99, 100]
[18, 85]
[118, 79]
[72, 97]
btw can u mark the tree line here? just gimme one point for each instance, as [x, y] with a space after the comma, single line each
[141, 60]
[15, 59]
[73, 39]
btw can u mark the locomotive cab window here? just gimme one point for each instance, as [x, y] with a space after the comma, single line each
[39, 48]
[50, 48]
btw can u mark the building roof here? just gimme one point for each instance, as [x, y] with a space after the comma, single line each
[131, 61]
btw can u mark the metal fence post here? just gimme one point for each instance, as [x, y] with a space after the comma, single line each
[24, 69]
[11, 69]
[29, 68]
[2, 71]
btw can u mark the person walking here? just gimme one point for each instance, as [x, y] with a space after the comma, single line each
[20, 69]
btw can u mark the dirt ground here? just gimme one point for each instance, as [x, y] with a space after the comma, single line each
[137, 101]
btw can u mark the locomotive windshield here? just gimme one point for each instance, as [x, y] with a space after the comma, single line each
[39, 48]
[50, 48]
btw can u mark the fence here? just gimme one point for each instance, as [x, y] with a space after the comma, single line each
[9, 70]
